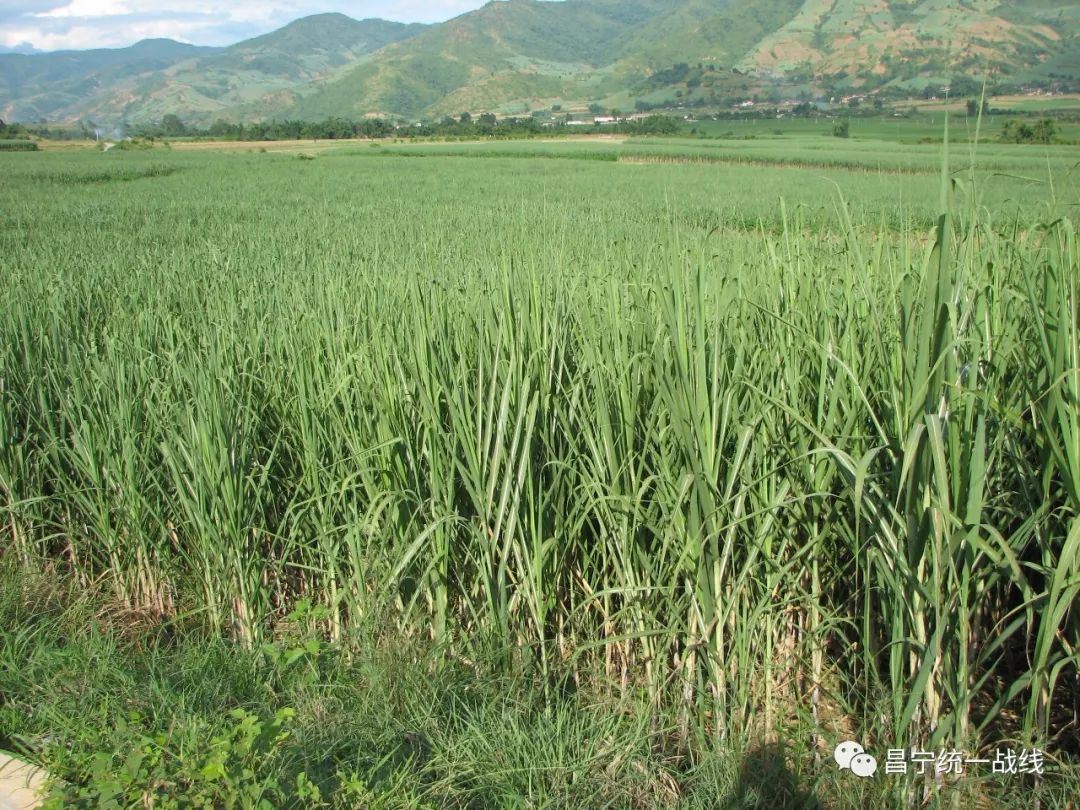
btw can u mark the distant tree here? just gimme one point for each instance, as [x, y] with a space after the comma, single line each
[529, 125]
[466, 118]
[963, 86]
[595, 108]
[658, 125]
[1045, 130]
[376, 128]
[487, 120]
[172, 126]
[1015, 131]
[973, 107]
[842, 129]
[556, 107]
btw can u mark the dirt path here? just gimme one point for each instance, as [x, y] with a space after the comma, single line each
[21, 785]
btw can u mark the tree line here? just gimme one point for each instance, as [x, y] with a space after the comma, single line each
[464, 125]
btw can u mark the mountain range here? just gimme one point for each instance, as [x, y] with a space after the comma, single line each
[512, 56]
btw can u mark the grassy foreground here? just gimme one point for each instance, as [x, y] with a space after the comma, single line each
[519, 482]
[139, 714]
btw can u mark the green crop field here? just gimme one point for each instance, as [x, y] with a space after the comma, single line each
[926, 125]
[1008, 177]
[540, 474]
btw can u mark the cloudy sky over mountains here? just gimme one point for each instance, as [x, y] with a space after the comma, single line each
[60, 24]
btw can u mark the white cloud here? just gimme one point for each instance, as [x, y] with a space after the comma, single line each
[78, 37]
[88, 8]
[63, 24]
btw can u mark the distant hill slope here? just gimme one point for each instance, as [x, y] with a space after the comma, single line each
[45, 85]
[252, 78]
[525, 54]
[513, 51]
[515, 55]
[880, 42]
[24, 48]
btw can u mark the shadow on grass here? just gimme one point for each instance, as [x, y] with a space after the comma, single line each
[766, 782]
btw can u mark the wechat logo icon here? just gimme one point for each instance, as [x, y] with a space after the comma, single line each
[851, 756]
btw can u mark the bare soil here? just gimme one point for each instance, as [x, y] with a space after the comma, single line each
[21, 785]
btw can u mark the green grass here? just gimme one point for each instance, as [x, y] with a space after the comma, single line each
[1030, 162]
[910, 129]
[126, 709]
[536, 482]
[722, 182]
[129, 709]
[16, 145]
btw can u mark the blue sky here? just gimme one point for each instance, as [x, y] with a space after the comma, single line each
[59, 24]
